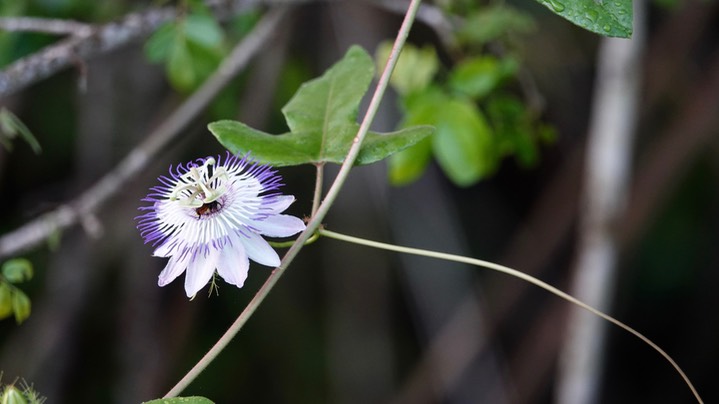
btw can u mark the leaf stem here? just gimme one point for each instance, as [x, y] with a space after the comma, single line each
[319, 178]
[517, 274]
[317, 216]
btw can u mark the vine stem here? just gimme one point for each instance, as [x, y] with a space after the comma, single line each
[517, 274]
[317, 216]
[319, 179]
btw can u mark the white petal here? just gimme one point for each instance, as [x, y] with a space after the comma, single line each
[173, 269]
[233, 264]
[200, 270]
[279, 225]
[165, 250]
[258, 250]
[278, 204]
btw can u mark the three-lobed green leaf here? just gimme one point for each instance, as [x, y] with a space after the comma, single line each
[322, 118]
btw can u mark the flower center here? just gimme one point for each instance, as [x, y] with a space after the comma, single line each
[201, 187]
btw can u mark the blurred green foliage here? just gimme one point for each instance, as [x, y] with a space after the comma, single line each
[472, 104]
[190, 47]
[14, 301]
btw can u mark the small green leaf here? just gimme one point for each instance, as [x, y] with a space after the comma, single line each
[607, 17]
[492, 22]
[477, 77]
[180, 67]
[513, 129]
[415, 68]
[408, 165]
[204, 61]
[158, 47]
[546, 133]
[180, 400]
[332, 100]
[243, 23]
[322, 118]
[203, 30]
[463, 143]
[20, 305]
[17, 270]
[5, 300]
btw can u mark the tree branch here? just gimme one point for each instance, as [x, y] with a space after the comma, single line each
[45, 25]
[609, 151]
[97, 40]
[81, 208]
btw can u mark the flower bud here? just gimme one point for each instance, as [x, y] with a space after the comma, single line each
[11, 395]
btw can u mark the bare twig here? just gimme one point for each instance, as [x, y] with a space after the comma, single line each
[104, 38]
[101, 39]
[442, 24]
[609, 152]
[45, 25]
[38, 230]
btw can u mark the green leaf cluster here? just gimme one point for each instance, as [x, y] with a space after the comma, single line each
[322, 121]
[477, 122]
[607, 17]
[14, 301]
[190, 47]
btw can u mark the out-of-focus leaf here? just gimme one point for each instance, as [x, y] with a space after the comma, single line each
[546, 133]
[17, 270]
[516, 132]
[181, 400]
[11, 126]
[243, 23]
[204, 61]
[463, 143]
[5, 300]
[378, 146]
[322, 120]
[415, 68]
[477, 77]
[180, 69]
[203, 30]
[513, 130]
[607, 17]
[421, 108]
[191, 48]
[408, 165]
[158, 47]
[492, 22]
[20, 305]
